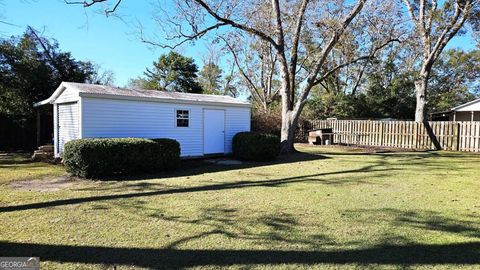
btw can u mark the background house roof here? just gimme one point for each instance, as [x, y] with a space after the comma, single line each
[473, 105]
[135, 94]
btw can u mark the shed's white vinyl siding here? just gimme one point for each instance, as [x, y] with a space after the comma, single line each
[68, 124]
[112, 118]
[236, 120]
[68, 95]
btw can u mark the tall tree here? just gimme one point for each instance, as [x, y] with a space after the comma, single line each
[31, 68]
[171, 72]
[230, 86]
[299, 69]
[435, 24]
[455, 79]
[210, 78]
[101, 76]
[281, 24]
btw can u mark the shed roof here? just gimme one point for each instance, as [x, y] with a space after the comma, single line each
[95, 90]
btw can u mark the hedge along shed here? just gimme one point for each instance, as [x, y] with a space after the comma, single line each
[202, 124]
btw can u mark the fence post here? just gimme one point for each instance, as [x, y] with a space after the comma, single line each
[415, 135]
[381, 133]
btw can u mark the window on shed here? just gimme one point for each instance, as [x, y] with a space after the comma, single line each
[182, 118]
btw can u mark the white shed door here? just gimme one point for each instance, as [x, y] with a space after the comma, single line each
[213, 131]
[67, 124]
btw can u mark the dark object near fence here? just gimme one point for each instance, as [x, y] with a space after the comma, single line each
[91, 158]
[255, 146]
[322, 136]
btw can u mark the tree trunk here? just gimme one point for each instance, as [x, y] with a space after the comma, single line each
[289, 128]
[265, 106]
[287, 135]
[421, 91]
[287, 131]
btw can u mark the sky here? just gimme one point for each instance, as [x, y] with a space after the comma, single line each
[111, 42]
[89, 35]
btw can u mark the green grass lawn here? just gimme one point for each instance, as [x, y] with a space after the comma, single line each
[322, 208]
[18, 167]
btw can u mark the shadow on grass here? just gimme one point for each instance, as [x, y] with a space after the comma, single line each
[14, 159]
[24, 166]
[313, 249]
[361, 152]
[422, 220]
[271, 229]
[430, 159]
[212, 187]
[413, 254]
[393, 152]
[191, 167]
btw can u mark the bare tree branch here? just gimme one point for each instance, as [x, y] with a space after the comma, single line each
[294, 50]
[359, 78]
[353, 61]
[47, 51]
[234, 24]
[450, 30]
[287, 103]
[323, 55]
[428, 27]
[10, 24]
[93, 2]
[410, 10]
[186, 37]
[255, 92]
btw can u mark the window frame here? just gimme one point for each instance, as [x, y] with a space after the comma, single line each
[180, 118]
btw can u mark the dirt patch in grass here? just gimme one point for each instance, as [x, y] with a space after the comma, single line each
[47, 184]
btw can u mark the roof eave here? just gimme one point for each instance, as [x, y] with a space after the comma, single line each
[41, 103]
[52, 98]
[444, 112]
[466, 104]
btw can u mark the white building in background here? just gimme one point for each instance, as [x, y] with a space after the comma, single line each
[469, 111]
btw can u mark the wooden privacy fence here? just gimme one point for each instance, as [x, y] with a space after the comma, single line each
[446, 135]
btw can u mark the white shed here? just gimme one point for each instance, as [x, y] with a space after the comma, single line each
[202, 124]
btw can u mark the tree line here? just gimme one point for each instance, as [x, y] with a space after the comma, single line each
[175, 72]
[31, 68]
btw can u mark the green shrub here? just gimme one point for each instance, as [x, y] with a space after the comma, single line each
[92, 158]
[255, 146]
